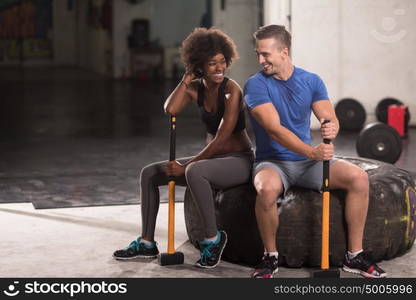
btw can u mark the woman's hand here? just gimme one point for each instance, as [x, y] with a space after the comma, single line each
[174, 168]
[188, 77]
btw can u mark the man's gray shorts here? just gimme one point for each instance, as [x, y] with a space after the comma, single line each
[304, 173]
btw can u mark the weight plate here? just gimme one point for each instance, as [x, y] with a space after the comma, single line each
[351, 114]
[379, 141]
[382, 107]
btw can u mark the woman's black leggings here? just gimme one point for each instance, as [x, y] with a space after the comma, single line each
[219, 172]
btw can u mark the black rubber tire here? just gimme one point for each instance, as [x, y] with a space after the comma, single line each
[351, 114]
[389, 232]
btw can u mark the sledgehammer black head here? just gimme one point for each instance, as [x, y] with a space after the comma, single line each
[325, 273]
[166, 259]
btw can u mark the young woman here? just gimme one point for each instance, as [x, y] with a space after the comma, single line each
[224, 162]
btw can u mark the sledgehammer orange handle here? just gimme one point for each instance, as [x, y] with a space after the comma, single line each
[171, 218]
[325, 212]
[325, 231]
[171, 187]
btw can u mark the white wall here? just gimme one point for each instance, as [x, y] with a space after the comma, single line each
[239, 20]
[170, 22]
[64, 34]
[94, 44]
[123, 14]
[78, 44]
[277, 12]
[363, 49]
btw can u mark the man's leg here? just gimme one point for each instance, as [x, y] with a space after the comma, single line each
[347, 176]
[269, 186]
[354, 180]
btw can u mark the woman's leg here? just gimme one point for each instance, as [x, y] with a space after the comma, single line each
[151, 177]
[220, 173]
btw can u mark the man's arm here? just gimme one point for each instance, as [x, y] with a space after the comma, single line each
[324, 110]
[268, 117]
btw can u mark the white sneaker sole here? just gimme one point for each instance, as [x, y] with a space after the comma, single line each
[362, 273]
[212, 267]
[272, 276]
[133, 257]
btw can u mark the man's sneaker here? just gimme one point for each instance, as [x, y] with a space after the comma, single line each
[362, 264]
[137, 249]
[267, 267]
[211, 252]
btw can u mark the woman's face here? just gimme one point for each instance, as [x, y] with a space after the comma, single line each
[214, 68]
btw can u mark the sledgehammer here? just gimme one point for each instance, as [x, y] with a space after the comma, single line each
[325, 271]
[171, 257]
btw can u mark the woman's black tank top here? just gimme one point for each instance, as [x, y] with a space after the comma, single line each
[212, 120]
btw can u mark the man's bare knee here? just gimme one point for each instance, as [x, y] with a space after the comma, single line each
[269, 187]
[360, 182]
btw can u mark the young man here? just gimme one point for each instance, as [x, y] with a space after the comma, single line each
[280, 99]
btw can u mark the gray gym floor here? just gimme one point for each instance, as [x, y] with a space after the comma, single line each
[71, 146]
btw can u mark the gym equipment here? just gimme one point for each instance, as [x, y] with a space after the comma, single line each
[389, 232]
[382, 111]
[139, 36]
[396, 118]
[325, 271]
[379, 141]
[351, 114]
[171, 257]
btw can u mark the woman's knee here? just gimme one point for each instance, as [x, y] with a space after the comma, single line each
[193, 171]
[147, 173]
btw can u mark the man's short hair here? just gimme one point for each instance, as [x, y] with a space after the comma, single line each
[278, 32]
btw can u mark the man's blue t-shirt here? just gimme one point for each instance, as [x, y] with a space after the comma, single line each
[293, 100]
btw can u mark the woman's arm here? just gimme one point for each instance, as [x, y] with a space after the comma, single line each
[233, 106]
[181, 95]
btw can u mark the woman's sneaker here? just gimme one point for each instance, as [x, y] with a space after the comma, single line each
[211, 252]
[362, 264]
[137, 249]
[267, 267]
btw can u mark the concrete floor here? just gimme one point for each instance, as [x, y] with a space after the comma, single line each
[78, 243]
[70, 138]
